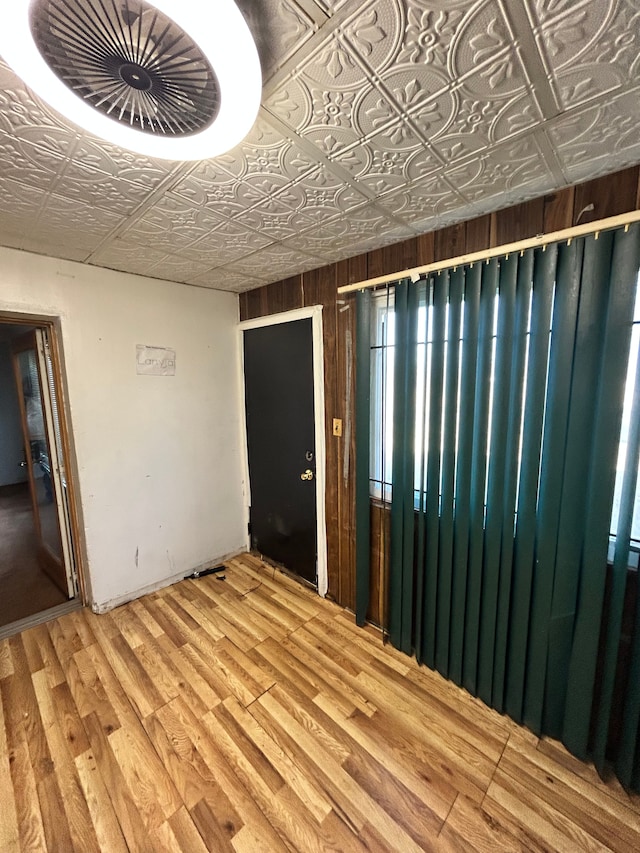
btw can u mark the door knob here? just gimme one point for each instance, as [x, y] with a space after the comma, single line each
[22, 464]
[307, 475]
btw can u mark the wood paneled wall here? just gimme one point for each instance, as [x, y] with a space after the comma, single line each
[609, 195]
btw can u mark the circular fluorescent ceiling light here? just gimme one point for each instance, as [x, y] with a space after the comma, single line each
[179, 79]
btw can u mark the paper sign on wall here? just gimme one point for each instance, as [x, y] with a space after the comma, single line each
[155, 361]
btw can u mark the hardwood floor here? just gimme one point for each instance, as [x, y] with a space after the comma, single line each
[248, 715]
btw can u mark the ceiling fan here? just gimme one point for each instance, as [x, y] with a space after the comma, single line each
[176, 79]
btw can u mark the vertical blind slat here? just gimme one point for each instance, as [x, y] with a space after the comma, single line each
[424, 298]
[541, 307]
[440, 294]
[445, 557]
[402, 541]
[398, 466]
[408, 501]
[508, 273]
[478, 473]
[512, 464]
[565, 312]
[463, 470]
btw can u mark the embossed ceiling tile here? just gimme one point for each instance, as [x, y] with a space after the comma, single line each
[480, 123]
[20, 110]
[179, 222]
[99, 190]
[322, 177]
[339, 234]
[267, 185]
[586, 83]
[502, 77]
[267, 152]
[216, 189]
[379, 166]
[23, 200]
[247, 267]
[422, 200]
[565, 29]
[205, 172]
[323, 238]
[546, 10]
[280, 261]
[407, 88]
[459, 146]
[28, 164]
[337, 114]
[223, 278]
[75, 219]
[331, 140]
[582, 170]
[502, 169]
[55, 243]
[128, 256]
[177, 268]
[375, 31]
[359, 239]
[227, 243]
[321, 195]
[334, 66]
[368, 220]
[375, 242]
[478, 111]
[274, 220]
[484, 40]
[429, 33]
[292, 103]
[57, 140]
[146, 233]
[279, 28]
[434, 117]
[101, 156]
[605, 130]
[274, 266]
[422, 163]
[516, 115]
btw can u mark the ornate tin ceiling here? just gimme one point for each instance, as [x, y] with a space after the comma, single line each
[379, 120]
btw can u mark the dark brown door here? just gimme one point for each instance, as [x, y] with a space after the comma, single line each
[278, 366]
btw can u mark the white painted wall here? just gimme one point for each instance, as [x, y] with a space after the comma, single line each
[159, 457]
[11, 441]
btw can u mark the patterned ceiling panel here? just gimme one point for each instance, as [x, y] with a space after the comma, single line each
[380, 119]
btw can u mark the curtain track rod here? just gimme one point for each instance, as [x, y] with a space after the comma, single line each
[507, 248]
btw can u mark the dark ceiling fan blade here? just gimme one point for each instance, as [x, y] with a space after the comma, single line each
[130, 62]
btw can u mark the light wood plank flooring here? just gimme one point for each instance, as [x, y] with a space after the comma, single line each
[248, 715]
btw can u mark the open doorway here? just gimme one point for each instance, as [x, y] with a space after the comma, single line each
[38, 575]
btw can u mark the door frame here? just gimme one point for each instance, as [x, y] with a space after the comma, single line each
[314, 312]
[54, 335]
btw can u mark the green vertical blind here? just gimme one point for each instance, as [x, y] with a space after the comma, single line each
[508, 442]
